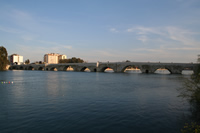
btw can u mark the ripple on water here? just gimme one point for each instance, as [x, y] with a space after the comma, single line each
[41, 101]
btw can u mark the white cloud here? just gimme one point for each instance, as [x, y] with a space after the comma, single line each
[162, 49]
[21, 15]
[162, 55]
[67, 47]
[114, 30]
[143, 38]
[149, 50]
[10, 30]
[106, 53]
[27, 37]
[140, 30]
[184, 49]
[169, 34]
[181, 35]
[47, 42]
[55, 45]
[23, 19]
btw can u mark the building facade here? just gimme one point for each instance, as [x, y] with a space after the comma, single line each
[61, 57]
[15, 59]
[53, 58]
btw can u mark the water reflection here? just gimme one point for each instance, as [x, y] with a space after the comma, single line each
[87, 70]
[187, 72]
[109, 70]
[162, 71]
[53, 83]
[47, 101]
[132, 70]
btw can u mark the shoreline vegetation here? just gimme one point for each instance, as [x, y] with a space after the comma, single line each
[3, 58]
[191, 92]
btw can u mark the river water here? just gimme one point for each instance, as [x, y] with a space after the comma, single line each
[87, 102]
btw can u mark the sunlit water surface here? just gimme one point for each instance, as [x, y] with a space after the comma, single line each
[87, 102]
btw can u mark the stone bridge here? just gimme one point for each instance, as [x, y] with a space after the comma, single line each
[145, 67]
[58, 67]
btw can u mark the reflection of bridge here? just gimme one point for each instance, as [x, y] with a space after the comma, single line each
[145, 67]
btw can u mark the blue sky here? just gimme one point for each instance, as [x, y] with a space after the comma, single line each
[102, 30]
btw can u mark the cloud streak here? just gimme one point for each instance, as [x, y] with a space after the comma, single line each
[169, 33]
[181, 35]
[55, 44]
[10, 30]
[140, 30]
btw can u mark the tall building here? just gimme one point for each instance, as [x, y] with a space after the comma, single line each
[53, 58]
[15, 59]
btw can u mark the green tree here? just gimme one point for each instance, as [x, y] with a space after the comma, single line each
[191, 92]
[72, 60]
[27, 61]
[191, 128]
[3, 58]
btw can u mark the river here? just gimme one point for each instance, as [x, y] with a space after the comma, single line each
[88, 102]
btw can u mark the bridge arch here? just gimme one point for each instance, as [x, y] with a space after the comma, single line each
[53, 69]
[85, 69]
[131, 69]
[13, 68]
[107, 69]
[162, 70]
[21, 68]
[41, 68]
[31, 68]
[68, 68]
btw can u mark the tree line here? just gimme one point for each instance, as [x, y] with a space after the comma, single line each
[72, 60]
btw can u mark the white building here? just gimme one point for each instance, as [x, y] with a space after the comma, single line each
[15, 59]
[53, 58]
[60, 57]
